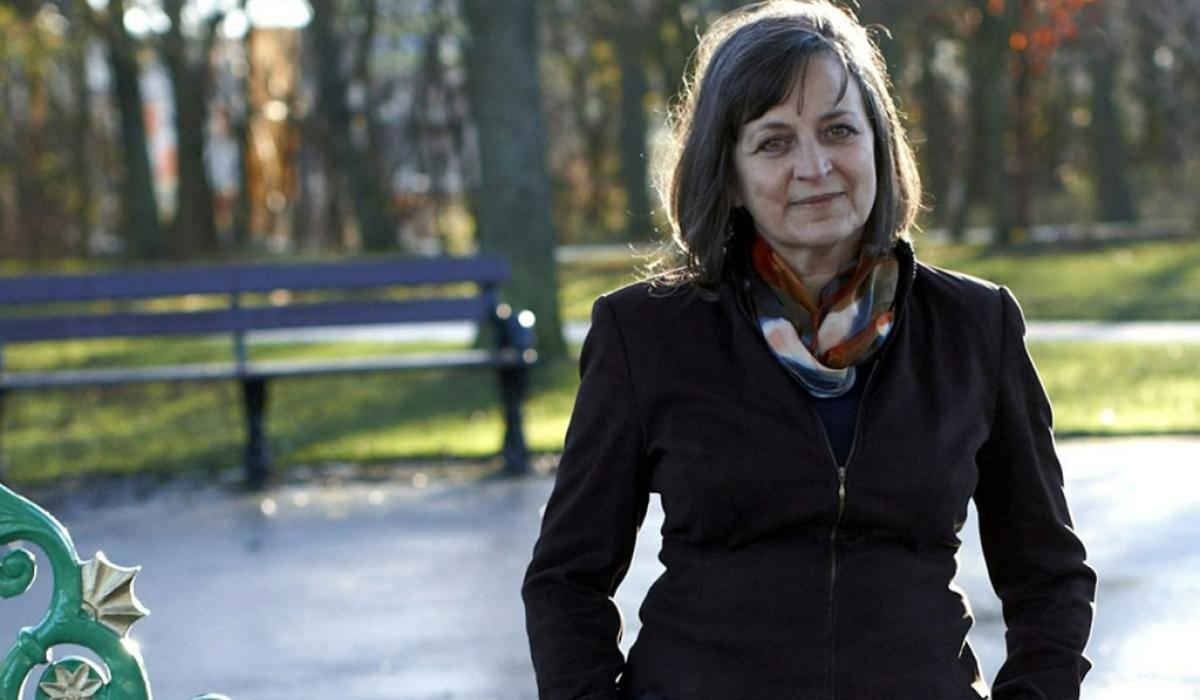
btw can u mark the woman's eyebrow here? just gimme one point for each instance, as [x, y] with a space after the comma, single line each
[838, 114]
[783, 125]
[771, 125]
[831, 114]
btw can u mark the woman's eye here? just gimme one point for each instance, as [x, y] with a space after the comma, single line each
[841, 131]
[773, 144]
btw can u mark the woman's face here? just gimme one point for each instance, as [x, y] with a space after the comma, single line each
[806, 168]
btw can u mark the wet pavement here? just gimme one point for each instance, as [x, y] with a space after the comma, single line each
[407, 587]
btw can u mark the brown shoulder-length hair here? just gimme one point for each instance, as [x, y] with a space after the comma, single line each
[746, 63]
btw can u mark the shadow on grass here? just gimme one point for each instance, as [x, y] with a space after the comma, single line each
[309, 412]
[1158, 295]
[1100, 280]
[199, 427]
[165, 429]
[433, 413]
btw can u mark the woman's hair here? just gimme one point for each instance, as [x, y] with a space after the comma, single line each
[746, 63]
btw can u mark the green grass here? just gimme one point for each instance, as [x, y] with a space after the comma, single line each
[89, 354]
[580, 284]
[1097, 389]
[1158, 280]
[198, 426]
[1121, 389]
[1154, 280]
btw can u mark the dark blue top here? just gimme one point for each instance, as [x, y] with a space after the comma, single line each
[840, 413]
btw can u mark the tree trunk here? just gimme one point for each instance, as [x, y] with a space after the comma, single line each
[627, 32]
[372, 138]
[513, 206]
[1022, 124]
[33, 201]
[673, 45]
[1114, 197]
[142, 232]
[194, 227]
[240, 130]
[988, 107]
[377, 230]
[939, 145]
[81, 141]
[1160, 138]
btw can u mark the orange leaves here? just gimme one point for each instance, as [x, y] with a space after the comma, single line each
[1042, 39]
[1043, 26]
[1045, 37]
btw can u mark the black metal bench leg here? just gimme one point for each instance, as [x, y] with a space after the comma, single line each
[513, 383]
[258, 460]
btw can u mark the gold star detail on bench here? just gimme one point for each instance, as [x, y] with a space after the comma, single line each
[71, 685]
[108, 594]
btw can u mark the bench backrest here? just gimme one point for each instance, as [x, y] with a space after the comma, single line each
[234, 281]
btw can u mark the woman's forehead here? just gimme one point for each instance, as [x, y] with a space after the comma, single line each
[821, 83]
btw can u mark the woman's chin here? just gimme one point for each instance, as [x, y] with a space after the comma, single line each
[823, 235]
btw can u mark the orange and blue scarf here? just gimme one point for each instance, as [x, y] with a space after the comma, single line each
[820, 342]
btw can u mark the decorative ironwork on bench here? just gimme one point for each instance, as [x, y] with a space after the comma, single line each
[92, 605]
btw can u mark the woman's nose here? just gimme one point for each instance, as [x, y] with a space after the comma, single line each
[810, 162]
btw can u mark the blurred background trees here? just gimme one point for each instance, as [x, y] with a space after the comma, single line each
[160, 132]
[194, 129]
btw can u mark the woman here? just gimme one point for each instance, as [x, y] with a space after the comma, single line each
[815, 408]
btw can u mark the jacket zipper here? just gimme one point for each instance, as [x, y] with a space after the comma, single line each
[841, 472]
[841, 469]
[841, 508]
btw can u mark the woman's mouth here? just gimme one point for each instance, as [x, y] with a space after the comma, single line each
[817, 200]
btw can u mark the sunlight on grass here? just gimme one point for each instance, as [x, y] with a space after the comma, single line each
[1153, 280]
[1121, 389]
[122, 352]
[1097, 389]
[580, 284]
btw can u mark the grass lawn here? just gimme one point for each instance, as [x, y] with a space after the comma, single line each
[1155, 280]
[1121, 389]
[1097, 389]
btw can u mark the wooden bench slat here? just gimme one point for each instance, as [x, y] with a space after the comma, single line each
[142, 284]
[341, 313]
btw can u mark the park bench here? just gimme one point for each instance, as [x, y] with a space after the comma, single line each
[92, 604]
[235, 300]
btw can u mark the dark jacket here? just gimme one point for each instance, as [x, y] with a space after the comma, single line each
[789, 576]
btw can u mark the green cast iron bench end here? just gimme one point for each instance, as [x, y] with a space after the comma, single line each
[92, 604]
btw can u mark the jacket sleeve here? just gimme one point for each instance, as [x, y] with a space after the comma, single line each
[589, 528]
[1034, 559]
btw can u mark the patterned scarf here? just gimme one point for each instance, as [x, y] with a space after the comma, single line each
[821, 342]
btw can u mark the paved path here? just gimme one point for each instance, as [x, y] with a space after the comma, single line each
[386, 590]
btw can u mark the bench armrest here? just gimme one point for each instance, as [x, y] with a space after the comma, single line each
[92, 604]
